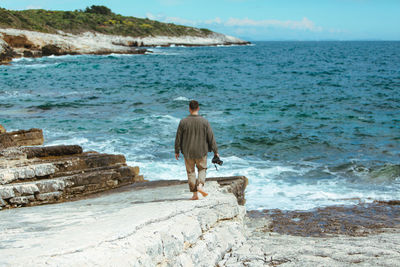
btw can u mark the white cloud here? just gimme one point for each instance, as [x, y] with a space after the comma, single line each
[217, 20]
[304, 24]
[176, 20]
[33, 7]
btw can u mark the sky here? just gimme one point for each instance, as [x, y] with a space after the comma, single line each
[254, 20]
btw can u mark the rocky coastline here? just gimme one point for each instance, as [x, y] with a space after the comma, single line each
[31, 175]
[106, 214]
[15, 43]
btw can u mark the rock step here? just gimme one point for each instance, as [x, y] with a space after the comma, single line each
[46, 168]
[48, 151]
[66, 187]
[87, 160]
[37, 175]
[30, 137]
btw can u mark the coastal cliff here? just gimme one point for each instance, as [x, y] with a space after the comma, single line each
[36, 33]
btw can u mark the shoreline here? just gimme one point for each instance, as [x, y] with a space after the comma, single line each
[133, 222]
[16, 43]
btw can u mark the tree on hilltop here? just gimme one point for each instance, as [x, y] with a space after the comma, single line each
[98, 10]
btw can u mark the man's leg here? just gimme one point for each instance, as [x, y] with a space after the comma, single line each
[201, 165]
[191, 174]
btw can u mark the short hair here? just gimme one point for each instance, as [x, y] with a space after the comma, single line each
[193, 105]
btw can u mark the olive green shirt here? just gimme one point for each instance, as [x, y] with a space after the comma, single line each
[195, 137]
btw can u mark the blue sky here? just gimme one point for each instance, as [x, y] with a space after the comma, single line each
[257, 19]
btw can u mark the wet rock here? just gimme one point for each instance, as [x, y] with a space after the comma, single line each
[18, 41]
[50, 49]
[28, 53]
[6, 52]
[30, 137]
[358, 220]
[40, 152]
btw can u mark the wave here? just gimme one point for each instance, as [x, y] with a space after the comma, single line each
[359, 173]
[22, 59]
[82, 141]
[181, 98]
[388, 172]
[272, 184]
[163, 52]
[34, 66]
[49, 106]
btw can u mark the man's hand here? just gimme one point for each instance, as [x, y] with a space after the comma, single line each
[177, 156]
[216, 154]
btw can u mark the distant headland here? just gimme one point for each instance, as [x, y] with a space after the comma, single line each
[95, 30]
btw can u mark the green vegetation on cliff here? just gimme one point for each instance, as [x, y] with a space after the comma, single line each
[95, 18]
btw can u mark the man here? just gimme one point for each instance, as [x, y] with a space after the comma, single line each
[194, 138]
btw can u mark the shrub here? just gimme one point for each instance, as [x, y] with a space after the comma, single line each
[103, 10]
[94, 18]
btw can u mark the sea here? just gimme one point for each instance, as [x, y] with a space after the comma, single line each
[310, 124]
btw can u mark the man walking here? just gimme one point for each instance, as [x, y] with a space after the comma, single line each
[194, 138]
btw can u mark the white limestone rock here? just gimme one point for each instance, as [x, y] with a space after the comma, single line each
[6, 176]
[44, 169]
[51, 185]
[22, 200]
[48, 196]
[128, 229]
[9, 175]
[6, 192]
[26, 189]
[90, 42]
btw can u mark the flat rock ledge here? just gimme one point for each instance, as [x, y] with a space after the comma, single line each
[138, 226]
[41, 175]
[264, 248]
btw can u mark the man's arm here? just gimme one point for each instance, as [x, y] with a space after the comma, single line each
[178, 140]
[212, 145]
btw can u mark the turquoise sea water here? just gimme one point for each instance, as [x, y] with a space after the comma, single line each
[309, 123]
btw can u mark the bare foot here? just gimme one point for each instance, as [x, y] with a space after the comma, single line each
[194, 198]
[202, 192]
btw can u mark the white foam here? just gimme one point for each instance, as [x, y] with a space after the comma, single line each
[35, 66]
[272, 185]
[164, 53]
[22, 59]
[181, 98]
[122, 55]
[70, 141]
